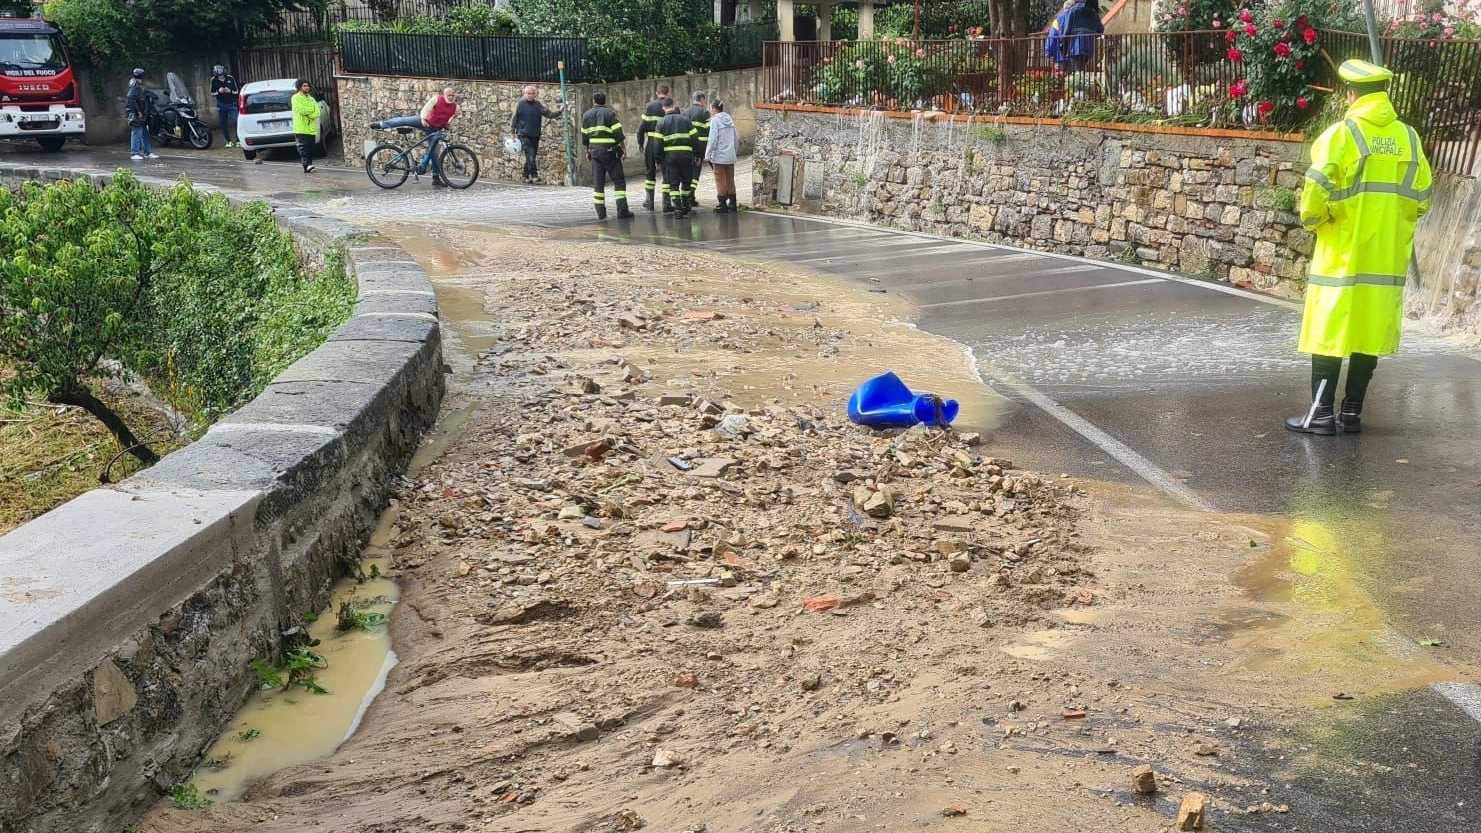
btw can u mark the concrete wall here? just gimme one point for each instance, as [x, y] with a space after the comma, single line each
[1448, 245]
[486, 107]
[128, 615]
[105, 121]
[1208, 203]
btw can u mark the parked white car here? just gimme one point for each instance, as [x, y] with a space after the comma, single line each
[266, 118]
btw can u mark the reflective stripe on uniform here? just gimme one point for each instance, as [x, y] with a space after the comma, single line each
[1359, 186]
[593, 137]
[599, 197]
[1356, 280]
[1321, 180]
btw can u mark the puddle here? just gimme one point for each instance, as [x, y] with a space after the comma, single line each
[1312, 617]
[1040, 645]
[277, 728]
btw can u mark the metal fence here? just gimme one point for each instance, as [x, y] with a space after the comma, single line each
[1179, 78]
[459, 57]
[313, 26]
[313, 62]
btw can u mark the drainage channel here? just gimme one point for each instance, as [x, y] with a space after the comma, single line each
[280, 728]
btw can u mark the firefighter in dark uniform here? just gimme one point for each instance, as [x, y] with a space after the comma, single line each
[676, 133]
[699, 116]
[652, 150]
[601, 133]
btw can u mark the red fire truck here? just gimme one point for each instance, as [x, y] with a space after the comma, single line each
[40, 97]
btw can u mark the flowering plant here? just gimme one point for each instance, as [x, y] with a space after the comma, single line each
[894, 73]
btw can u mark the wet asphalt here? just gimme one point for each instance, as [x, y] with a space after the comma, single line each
[1123, 374]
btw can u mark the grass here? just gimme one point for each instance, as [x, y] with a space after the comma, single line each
[50, 454]
[187, 797]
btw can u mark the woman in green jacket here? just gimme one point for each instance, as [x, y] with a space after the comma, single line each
[305, 123]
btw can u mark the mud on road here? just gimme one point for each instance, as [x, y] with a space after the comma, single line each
[659, 582]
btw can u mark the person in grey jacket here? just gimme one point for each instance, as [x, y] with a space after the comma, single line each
[720, 152]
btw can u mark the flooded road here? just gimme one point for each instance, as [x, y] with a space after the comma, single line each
[1123, 374]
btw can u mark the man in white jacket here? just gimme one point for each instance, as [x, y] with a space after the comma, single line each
[720, 152]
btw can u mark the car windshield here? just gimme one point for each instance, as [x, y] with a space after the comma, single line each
[22, 52]
[271, 101]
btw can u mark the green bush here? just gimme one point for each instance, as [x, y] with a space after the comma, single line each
[474, 19]
[205, 301]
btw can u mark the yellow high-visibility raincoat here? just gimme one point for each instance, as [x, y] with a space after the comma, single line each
[1368, 185]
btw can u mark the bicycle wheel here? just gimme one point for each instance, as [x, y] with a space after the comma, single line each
[459, 165]
[387, 166]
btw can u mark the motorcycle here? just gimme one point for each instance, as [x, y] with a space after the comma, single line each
[176, 121]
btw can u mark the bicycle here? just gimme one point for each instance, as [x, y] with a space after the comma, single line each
[389, 165]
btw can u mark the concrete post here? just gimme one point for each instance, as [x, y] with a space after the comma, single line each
[825, 21]
[866, 19]
[784, 20]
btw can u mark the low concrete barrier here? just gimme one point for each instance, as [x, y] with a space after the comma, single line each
[128, 615]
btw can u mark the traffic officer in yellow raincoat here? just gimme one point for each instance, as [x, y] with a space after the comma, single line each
[1368, 185]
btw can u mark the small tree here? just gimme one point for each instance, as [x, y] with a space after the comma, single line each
[74, 289]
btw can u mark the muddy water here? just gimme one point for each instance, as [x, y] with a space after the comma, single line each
[279, 728]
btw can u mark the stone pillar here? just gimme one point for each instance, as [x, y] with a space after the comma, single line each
[825, 21]
[866, 19]
[784, 20]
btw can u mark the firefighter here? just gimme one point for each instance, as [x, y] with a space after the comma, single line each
[601, 133]
[652, 151]
[676, 132]
[699, 116]
[1368, 185]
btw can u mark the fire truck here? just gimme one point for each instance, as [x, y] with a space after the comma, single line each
[40, 97]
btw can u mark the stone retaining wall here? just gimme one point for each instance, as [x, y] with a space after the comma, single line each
[1207, 203]
[128, 615]
[1448, 243]
[486, 107]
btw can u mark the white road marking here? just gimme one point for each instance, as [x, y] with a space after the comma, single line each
[1040, 294]
[1122, 453]
[1467, 696]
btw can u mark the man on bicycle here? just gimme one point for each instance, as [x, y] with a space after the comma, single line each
[434, 118]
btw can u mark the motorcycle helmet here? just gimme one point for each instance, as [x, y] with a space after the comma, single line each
[138, 72]
[218, 70]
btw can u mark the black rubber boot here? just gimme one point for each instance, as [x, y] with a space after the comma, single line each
[1350, 417]
[648, 200]
[622, 211]
[668, 203]
[681, 206]
[601, 211]
[1322, 423]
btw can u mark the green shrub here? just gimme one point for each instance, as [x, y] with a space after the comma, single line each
[205, 301]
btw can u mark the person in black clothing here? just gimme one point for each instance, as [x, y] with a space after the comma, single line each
[525, 126]
[1083, 27]
[601, 133]
[676, 132]
[225, 89]
[652, 150]
[699, 116]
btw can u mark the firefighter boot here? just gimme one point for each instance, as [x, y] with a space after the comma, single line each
[668, 203]
[1350, 417]
[601, 211]
[648, 198]
[622, 212]
[685, 200]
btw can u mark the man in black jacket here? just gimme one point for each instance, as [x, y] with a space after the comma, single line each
[601, 133]
[699, 116]
[652, 150]
[525, 126]
[676, 132]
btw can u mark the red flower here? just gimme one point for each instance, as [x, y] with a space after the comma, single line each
[1238, 89]
[1303, 22]
[1283, 49]
[1249, 29]
[1245, 16]
[1229, 36]
[1300, 65]
[1264, 107]
[1302, 103]
[1278, 23]
[1309, 35]
[1236, 56]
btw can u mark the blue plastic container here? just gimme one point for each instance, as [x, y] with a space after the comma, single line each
[885, 402]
